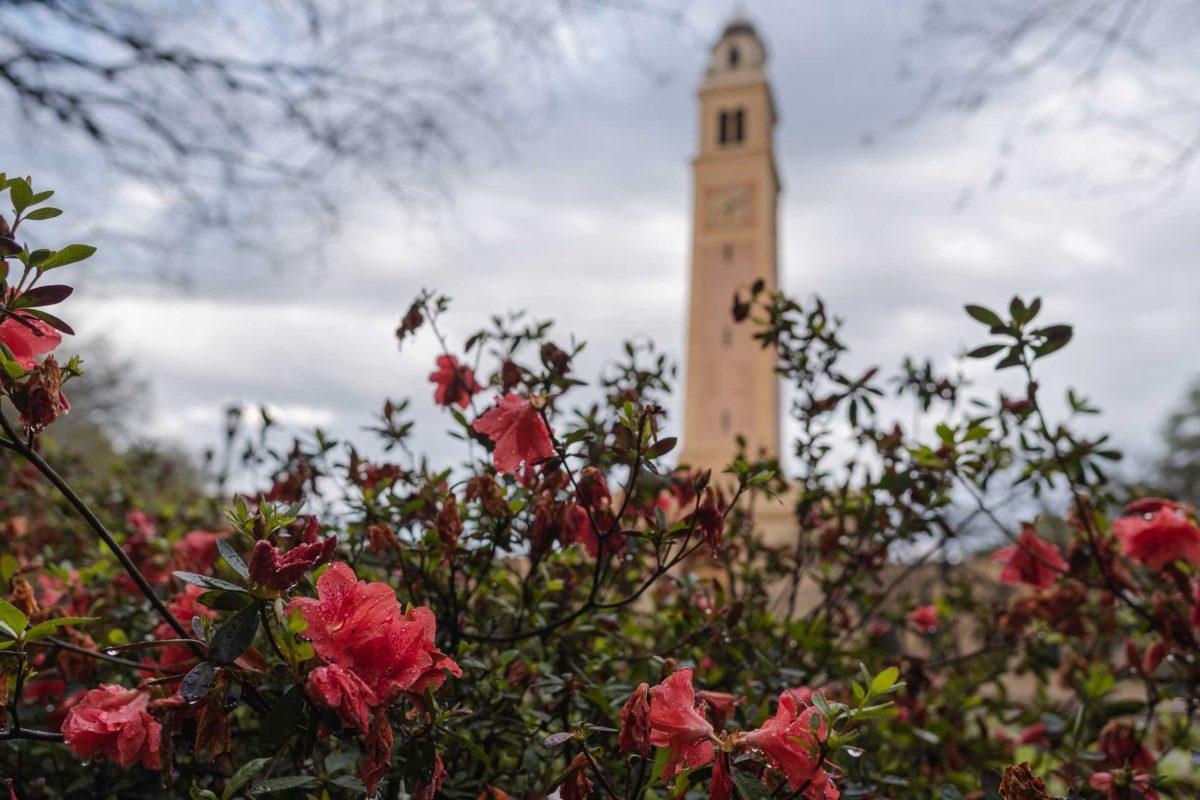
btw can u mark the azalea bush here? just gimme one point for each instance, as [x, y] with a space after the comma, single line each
[562, 608]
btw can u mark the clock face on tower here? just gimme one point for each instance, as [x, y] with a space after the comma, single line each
[728, 207]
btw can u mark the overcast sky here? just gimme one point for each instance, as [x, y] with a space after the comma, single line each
[588, 223]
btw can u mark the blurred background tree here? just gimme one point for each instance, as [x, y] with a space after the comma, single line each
[221, 105]
[1179, 470]
[1113, 70]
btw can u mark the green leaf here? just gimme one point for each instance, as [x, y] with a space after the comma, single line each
[1013, 359]
[243, 775]
[8, 567]
[206, 582]
[196, 793]
[1057, 337]
[985, 351]
[44, 213]
[232, 638]
[68, 255]
[198, 682]
[20, 193]
[285, 719]
[233, 559]
[8, 362]
[749, 787]
[223, 600]
[52, 321]
[45, 295]
[661, 447]
[884, 680]
[12, 617]
[348, 782]
[47, 628]
[284, 783]
[985, 315]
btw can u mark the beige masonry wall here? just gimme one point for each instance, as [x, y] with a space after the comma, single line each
[730, 387]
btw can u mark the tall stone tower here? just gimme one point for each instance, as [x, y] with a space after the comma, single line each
[731, 388]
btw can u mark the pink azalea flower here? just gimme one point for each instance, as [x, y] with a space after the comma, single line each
[791, 744]
[360, 627]
[678, 724]
[28, 342]
[518, 431]
[455, 383]
[1157, 533]
[924, 619]
[343, 692]
[112, 722]
[281, 572]
[1032, 560]
[197, 551]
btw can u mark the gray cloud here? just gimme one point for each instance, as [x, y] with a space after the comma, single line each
[589, 224]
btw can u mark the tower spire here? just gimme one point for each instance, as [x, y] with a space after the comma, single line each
[731, 387]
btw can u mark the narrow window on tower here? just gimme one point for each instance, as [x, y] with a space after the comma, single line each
[739, 123]
[725, 125]
[734, 56]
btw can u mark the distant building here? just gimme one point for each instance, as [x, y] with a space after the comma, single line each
[732, 389]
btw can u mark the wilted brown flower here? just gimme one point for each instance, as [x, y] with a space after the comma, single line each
[576, 785]
[76, 666]
[484, 489]
[212, 728]
[378, 751]
[1018, 783]
[42, 400]
[23, 597]
[449, 522]
[381, 537]
[635, 722]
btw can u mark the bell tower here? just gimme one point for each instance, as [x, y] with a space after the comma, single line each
[731, 388]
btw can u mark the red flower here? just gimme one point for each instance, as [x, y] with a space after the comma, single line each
[140, 522]
[426, 791]
[719, 705]
[635, 723]
[455, 384]
[802, 694]
[1031, 560]
[710, 519]
[377, 752]
[924, 619]
[721, 785]
[197, 551]
[28, 338]
[518, 431]
[579, 531]
[1158, 534]
[593, 488]
[359, 626]
[1034, 734]
[281, 572]
[677, 724]
[112, 722]
[1123, 748]
[791, 744]
[344, 692]
[1114, 790]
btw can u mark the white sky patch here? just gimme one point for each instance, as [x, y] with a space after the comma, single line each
[589, 224]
